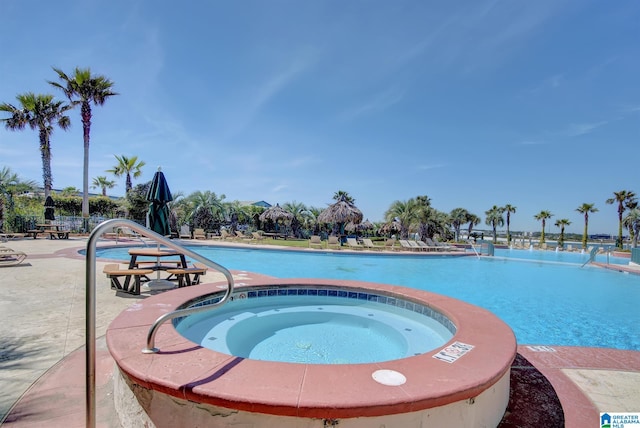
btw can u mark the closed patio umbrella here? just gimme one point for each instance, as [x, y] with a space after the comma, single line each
[48, 209]
[158, 196]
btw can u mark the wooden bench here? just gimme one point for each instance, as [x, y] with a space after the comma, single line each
[164, 265]
[114, 273]
[184, 274]
[57, 234]
[34, 232]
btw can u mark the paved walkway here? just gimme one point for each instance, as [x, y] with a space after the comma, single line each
[43, 316]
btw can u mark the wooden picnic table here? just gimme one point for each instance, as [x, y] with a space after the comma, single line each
[55, 231]
[158, 254]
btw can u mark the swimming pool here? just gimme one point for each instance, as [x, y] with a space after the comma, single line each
[551, 302]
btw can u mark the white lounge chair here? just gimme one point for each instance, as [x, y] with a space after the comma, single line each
[353, 243]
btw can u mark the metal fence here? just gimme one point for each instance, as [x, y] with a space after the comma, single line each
[74, 224]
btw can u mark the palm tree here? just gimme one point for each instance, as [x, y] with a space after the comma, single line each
[206, 209]
[494, 219]
[621, 198]
[101, 182]
[457, 217]
[473, 220]
[127, 166]
[39, 112]
[543, 216]
[509, 209]
[631, 205]
[402, 212]
[343, 194]
[83, 88]
[632, 221]
[562, 223]
[586, 209]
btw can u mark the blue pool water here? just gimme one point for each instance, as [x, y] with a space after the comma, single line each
[314, 330]
[550, 302]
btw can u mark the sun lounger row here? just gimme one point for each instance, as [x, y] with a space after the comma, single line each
[427, 245]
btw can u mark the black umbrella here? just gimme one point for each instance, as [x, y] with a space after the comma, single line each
[159, 194]
[48, 209]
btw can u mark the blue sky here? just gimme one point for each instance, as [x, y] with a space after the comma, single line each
[472, 103]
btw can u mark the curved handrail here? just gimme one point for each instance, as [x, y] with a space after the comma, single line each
[90, 301]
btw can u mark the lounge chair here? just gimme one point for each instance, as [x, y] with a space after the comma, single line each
[9, 257]
[333, 241]
[407, 245]
[390, 244]
[185, 232]
[426, 246]
[368, 243]
[447, 247]
[241, 235]
[257, 236]
[224, 234]
[315, 241]
[353, 243]
[4, 237]
[199, 234]
[114, 273]
[438, 247]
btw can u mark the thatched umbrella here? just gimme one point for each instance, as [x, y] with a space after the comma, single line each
[389, 228]
[275, 213]
[365, 225]
[340, 213]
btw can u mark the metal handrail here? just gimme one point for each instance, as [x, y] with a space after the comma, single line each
[90, 302]
[592, 256]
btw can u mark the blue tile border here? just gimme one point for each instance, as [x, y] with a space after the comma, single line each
[275, 291]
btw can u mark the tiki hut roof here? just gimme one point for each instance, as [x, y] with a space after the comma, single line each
[275, 213]
[341, 212]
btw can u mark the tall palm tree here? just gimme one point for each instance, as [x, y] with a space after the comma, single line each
[102, 182]
[458, 217]
[621, 198]
[473, 220]
[562, 223]
[543, 216]
[84, 88]
[509, 209]
[494, 219]
[127, 166]
[585, 209]
[632, 221]
[38, 112]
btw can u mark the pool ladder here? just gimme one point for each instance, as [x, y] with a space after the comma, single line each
[592, 256]
[90, 302]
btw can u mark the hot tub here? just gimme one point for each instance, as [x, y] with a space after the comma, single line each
[463, 381]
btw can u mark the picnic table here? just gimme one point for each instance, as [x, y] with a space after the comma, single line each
[158, 254]
[55, 231]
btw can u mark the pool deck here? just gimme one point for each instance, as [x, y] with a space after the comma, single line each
[42, 353]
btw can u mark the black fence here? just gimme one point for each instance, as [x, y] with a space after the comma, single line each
[74, 224]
